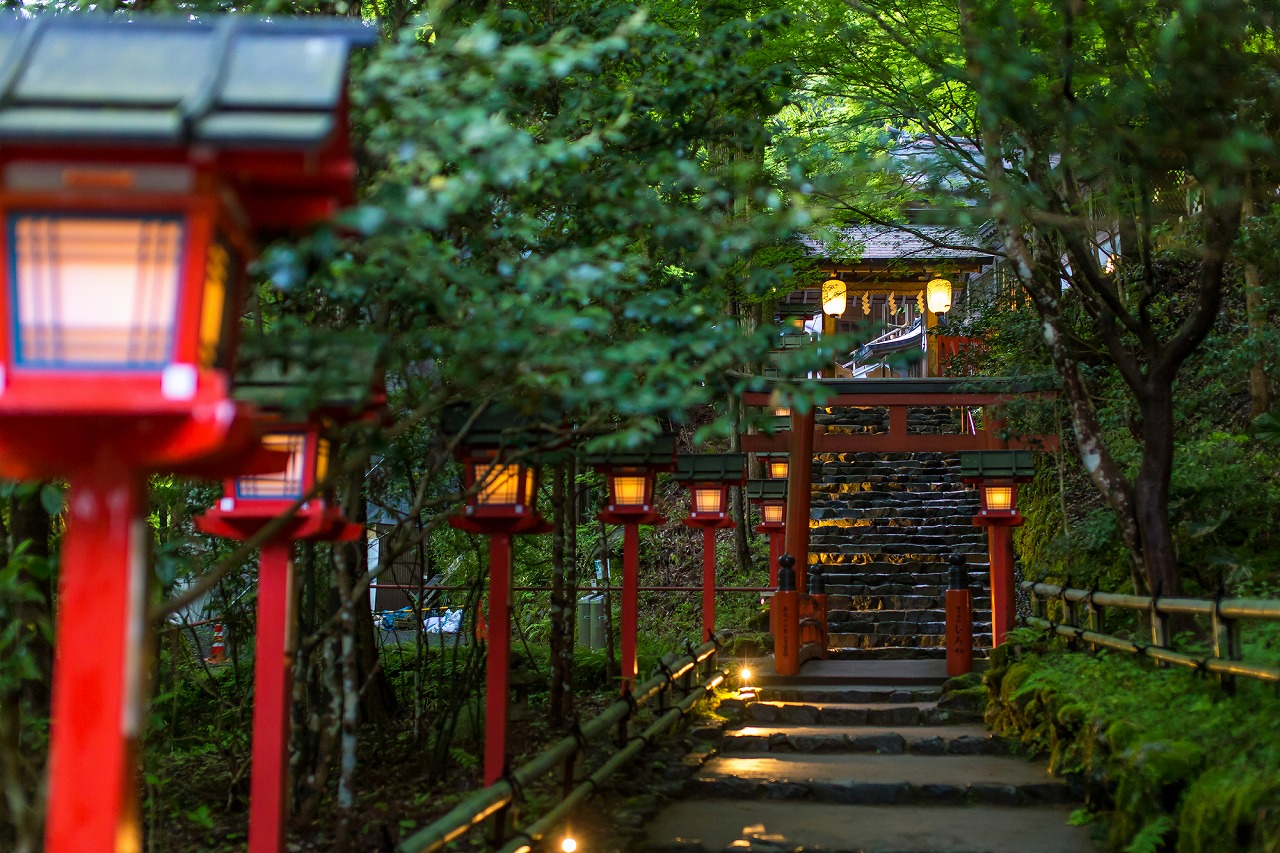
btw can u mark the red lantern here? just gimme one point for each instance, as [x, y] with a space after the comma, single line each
[250, 503]
[128, 207]
[776, 465]
[709, 477]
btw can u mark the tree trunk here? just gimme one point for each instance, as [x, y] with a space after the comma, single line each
[570, 589]
[1151, 489]
[1255, 307]
[559, 519]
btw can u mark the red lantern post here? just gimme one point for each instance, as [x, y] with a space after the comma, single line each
[709, 477]
[997, 474]
[502, 503]
[630, 475]
[248, 505]
[127, 224]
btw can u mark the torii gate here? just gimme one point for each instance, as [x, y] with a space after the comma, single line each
[898, 396]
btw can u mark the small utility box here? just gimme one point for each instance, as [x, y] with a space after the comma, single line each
[591, 621]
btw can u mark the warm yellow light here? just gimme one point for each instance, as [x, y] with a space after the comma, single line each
[95, 290]
[782, 411]
[939, 295]
[999, 497]
[774, 513]
[628, 489]
[746, 674]
[778, 467]
[833, 297]
[212, 315]
[322, 459]
[499, 484]
[707, 499]
[286, 484]
[569, 844]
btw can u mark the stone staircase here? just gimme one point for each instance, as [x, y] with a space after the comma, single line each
[883, 526]
[883, 763]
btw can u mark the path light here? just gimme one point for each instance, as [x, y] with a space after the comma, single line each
[568, 844]
[938, 295]
[501, 483]
[777, 465]
[630, 474]
[132, 194]
[295, 501]
[834, 294]
[997, 474]
[999, 498]
[709, 477]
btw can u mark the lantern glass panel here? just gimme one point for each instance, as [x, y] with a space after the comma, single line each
[999, 497]
[629, 489]
[322, 459]
[782, 411]
[774, 513]
[289, 483]
[213, 313]
[778, 467]
[708, 499]
[499, 484]
[95, 291]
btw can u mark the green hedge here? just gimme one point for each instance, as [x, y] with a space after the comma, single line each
[1166, 758]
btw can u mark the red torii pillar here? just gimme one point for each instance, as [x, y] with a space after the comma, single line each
[799, 496]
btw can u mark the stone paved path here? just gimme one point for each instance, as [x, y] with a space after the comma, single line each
[867, 758]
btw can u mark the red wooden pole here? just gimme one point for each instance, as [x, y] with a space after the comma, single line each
[1003, 606]
[786, 624]
[800, 493]
[775, 551]
[272, 686]
[708, 583]
[99, 670]
[959, 619]
[499, 658]
[630, 602]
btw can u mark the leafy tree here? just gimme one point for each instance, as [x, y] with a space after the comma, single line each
[1109, 143]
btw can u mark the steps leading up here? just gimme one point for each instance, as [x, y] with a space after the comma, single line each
[846, 758]
[883, 526]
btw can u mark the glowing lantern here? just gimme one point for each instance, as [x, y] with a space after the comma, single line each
[833, 297]
[939, 295]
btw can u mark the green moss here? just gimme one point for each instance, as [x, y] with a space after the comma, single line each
[1165, 757]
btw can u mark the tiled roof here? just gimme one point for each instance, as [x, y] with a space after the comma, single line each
[909, 242]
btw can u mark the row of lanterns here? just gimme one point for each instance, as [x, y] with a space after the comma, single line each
[937, 294]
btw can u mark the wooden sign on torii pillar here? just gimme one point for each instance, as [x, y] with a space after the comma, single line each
[898, 396]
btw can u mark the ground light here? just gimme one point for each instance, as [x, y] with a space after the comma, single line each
[709, 477]
[500, 481]
[568, 844]
[630, 475]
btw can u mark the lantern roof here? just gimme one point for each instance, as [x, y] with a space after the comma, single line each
[342, 377]
[766, 490]
[988, 464]
[659, 454]
[711, 467]
[254, 95]
[501, 425]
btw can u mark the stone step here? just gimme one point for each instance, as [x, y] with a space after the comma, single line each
[837, 652]
[873, 674]
[870, 779]
[909, 549]
[712, 826]
[847, 640]
[861, 694]
[856, 713]
[899, 574]
[876, 628]
[873, 603]
[961, 739]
